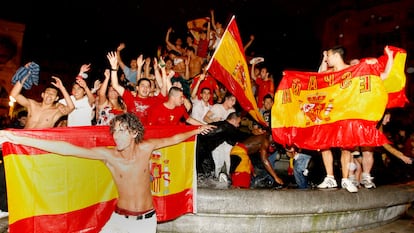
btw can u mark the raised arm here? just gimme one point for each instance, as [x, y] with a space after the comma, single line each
[390, 62]
[249, 43]
[91, 98]
[158, 77]
[69, 107]
[140, 64]
[104, 86]
[16, 93]
[197, 85]
[252, 74]
[324, 64]
[113, 61]
[170, 46]
[121, 63]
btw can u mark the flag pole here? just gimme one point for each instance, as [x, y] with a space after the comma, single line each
[226, 31]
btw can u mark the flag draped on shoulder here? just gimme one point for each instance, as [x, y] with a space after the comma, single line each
[53, 193]
[334, 109]
[228, 65]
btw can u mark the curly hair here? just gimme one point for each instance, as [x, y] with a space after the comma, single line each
[131, 122]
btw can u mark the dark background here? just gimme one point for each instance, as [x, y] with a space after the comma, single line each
[62, 35]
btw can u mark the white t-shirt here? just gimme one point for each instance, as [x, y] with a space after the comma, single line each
[199, 109]
[219, 111]
[82, 114]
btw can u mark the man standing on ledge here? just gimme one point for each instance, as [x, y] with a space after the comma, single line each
[128, 163]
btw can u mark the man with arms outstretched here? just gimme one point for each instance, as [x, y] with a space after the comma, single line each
[128, 163]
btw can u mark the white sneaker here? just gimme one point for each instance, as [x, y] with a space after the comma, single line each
[3, 214]
[348, 185]
[328, 182]
[353, 180]
[367, 181]
[223, 178]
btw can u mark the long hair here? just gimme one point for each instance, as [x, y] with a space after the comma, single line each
[131, 122]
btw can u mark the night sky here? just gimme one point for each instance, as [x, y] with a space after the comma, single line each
[75, 32]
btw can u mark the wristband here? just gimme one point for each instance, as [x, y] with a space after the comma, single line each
[114, 69]
[83, 75]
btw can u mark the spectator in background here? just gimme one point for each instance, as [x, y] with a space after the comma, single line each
[220, 111]
[46, 113]
[109, 103]
[207, 82]
[171, 112]
[130, 71]
[83, 99]
[200, 105]
[20, 121]
[140, 103]
[264, 84]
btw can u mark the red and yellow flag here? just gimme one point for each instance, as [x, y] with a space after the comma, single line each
[52, 193]
[337, 109]
[396, 80]
[228, 65]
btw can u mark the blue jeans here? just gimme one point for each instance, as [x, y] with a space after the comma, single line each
[263, 178]
[299, 165]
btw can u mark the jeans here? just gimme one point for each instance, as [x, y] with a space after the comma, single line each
[263, 179]
[300, 164]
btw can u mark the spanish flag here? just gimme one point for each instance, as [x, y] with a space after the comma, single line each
[396, 80]
[322, 110]
[228, 65]
[52, 193]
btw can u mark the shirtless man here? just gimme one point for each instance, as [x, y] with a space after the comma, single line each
[128, 163]
[241, 168]
[46, 113]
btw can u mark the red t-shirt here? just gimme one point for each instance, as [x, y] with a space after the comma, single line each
[139, 106]
[202, 49]
[264, 88]
[208, 82]
[161, 115]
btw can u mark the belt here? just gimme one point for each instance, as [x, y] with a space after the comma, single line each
[135, 215]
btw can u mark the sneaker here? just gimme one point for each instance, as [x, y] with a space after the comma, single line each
[223, 178]
[348, 185]
[367, 181]
[328, 182]
[353, 180]
[3, 214]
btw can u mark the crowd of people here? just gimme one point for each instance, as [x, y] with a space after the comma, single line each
[175, 88]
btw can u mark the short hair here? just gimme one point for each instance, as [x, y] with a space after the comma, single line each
[267, 96]
[21, 114]
[132, 124]
[233, 115]
[228, 95]
[339, 49]
[205, 88]
[173, 90]
[143, 79]
[190, 48]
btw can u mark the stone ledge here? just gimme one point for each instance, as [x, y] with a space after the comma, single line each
[252, 210]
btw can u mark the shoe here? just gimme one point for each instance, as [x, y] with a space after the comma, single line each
[348, 185]
[223, 178]
[353, 180]
[3, 214]
[367, 181]
[328, 182]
